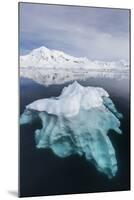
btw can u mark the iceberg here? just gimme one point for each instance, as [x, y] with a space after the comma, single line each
[77, 122]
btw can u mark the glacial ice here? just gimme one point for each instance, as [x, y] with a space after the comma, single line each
[77, 122]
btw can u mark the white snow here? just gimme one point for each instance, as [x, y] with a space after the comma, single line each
[44, 57]
[72, 98]
[47, 67]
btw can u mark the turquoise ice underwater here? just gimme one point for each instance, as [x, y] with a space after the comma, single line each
[77, 122]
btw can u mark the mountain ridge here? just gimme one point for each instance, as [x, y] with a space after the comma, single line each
[48, 67]
[44, 57]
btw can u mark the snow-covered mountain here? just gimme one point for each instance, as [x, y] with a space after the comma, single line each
[51, 66]
[44, 57]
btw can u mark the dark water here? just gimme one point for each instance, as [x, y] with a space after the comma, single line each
[43, 173]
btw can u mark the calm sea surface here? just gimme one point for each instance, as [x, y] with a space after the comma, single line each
[43, 173]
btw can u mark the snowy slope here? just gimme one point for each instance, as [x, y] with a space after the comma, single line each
[43, 57]
[54, 67]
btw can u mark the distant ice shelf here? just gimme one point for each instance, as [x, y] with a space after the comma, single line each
[48, 67]
[77, 122]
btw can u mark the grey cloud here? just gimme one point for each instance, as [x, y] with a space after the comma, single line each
[80, 31]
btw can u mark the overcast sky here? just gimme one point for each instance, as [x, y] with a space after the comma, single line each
[97, 33]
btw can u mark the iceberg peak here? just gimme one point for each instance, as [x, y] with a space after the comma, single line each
[75, 85]
[72, 98]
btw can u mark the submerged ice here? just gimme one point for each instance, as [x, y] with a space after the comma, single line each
[77, 122]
